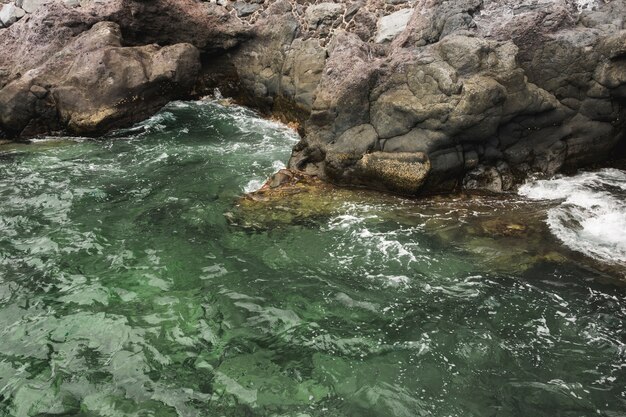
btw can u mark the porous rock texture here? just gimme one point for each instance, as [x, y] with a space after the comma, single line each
[473, 93]
[407, 96]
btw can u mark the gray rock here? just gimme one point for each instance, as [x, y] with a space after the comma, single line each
[110, 84]
[389, 27]
[358, 140]
[484, 178]
[38, 91]
[457, 92]
[323, 13]
[30, 6]
[302, 71]
[245, 9]
[10, 14]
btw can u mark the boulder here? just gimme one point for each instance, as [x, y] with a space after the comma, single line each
[10, 13]
[30, 6]
[389, 27]
[245, 9]
[323, 13]
[56, 49]
[94, 84]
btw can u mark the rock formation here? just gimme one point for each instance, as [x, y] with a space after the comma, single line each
[476, 93]
[88, 69]
[403, 96]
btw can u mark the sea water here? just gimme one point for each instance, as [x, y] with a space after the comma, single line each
[126, 291]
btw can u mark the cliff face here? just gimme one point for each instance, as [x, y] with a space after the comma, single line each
[431, 95]
[403, 96]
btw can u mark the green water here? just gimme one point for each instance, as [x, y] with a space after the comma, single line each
[124, 291]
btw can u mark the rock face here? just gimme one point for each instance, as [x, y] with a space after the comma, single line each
[30, 6]
[403, 96]
[440, 94]
[94, 83]
[102, 65]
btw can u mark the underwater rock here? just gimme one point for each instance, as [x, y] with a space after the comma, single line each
[500, 233]
[293, 197]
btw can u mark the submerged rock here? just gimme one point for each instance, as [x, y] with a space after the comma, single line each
[501, 233]
[292, 197]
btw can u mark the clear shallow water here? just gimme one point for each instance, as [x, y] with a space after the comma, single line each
[125, 292]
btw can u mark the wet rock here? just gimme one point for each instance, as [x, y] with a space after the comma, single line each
[293, 198]
[485, 178]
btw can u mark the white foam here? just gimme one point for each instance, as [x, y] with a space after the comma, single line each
[591, 216]
[278, 165]
[253, 185]
[389, 246]
[258, 181]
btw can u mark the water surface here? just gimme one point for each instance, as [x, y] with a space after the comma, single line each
[124, 290]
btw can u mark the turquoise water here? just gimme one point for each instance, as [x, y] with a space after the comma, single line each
[124, 291]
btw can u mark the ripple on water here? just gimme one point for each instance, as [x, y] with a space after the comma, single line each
[124, 291]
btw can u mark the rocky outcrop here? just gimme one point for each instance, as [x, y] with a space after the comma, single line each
[94, 84]
[473, 93]
[88, 69]
[404, 96]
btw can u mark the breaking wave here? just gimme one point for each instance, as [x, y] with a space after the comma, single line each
[591, 215]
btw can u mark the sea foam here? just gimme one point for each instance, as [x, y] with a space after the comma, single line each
[591, 216]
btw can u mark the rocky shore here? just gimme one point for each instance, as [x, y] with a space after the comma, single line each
[401, 96]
